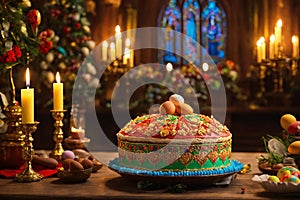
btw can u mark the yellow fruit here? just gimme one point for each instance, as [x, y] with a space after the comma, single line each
[294, 148]
[286, 120]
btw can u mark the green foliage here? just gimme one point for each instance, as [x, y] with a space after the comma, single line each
[16, 31]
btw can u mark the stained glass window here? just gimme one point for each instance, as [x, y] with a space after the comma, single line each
[171, 21]
[214, 30]
[206, 26]
[191, 23]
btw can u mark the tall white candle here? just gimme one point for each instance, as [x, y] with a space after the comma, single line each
[118, 41]
[58, 94]
[272, 46]
[258, 51]
[126, 56]
[295, 41]
[278, 31]
[104, 51]
[112, 49]
[27, 101]
[263, 48]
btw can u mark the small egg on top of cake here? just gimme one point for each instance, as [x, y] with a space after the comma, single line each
[176, 99]
[167, 107]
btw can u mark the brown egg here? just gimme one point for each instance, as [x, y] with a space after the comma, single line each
[184, 109]
[51, 163]
[86, 163]
[167, 107]
[75, 166]
[67, 163]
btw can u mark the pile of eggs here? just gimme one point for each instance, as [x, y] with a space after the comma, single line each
[290, 124]
[288, 174]
[175, 105]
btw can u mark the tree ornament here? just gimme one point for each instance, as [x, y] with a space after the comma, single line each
[34, 18]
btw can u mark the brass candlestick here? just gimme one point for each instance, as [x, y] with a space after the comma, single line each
[58, 136]
[28, 174]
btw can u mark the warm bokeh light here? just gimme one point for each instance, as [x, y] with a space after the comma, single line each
[272, 38]
[279, 23]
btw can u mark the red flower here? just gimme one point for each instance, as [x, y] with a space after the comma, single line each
[18, 51]
[34, 18]
[10, 56]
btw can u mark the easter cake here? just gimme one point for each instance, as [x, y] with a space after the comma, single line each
[176, 140]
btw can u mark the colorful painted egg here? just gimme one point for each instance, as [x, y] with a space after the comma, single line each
[287, 170]
[274, 179]
[67, 154]
[286, 120]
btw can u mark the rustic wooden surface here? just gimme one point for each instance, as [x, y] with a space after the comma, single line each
[106, 184]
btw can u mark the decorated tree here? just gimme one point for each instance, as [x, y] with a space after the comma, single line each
[65, 41]
[18, 41]
[18, 26]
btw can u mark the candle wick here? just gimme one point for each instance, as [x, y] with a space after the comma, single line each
[27, 86]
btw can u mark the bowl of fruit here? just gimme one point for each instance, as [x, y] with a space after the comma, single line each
[284, 150]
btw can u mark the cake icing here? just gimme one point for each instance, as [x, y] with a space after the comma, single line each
[171, 142]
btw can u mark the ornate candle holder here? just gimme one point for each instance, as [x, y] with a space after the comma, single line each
[58, 136]
[28, 174]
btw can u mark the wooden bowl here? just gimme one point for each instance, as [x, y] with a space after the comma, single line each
[74, 176]
[267, 169]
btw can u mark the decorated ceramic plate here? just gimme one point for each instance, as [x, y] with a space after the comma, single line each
[281, 187]
[202, 177]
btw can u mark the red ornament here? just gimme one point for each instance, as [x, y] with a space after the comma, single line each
[34, 18]
[67, 29]
[77, 25]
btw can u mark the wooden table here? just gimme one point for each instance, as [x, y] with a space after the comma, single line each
[107, 184]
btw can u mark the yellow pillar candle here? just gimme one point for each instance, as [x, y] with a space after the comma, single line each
[263, 48]
[258, 51]
[27, 101]
[295, 41]
[131, 60]
[271, 46]
[278, 30]
[118, 41]
[58, 95]
[104, 51]
[112, 55]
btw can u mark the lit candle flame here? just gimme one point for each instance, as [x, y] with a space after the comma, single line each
[118, 29]
[205, 67]
[294, 39]
[258, 43]
[57, 77]
[127, 42]
[272, 38]
[105, 44]
[279, 23]
[27, 75]
[262, 40]
[169, 67]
